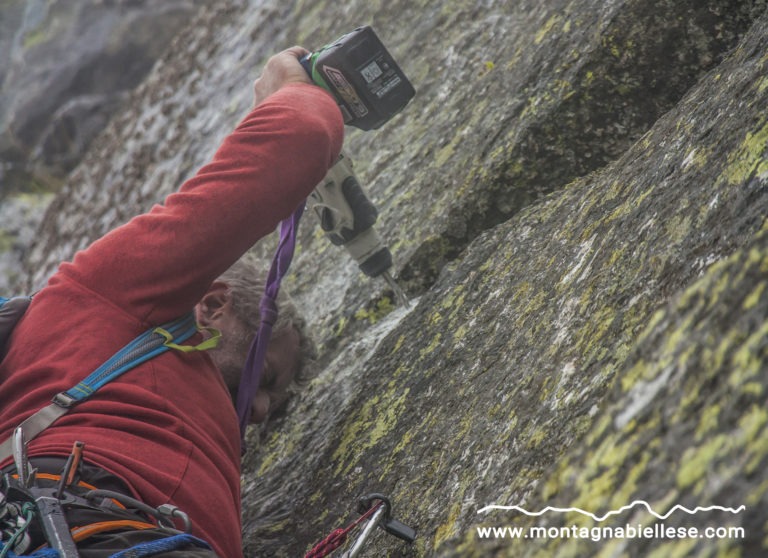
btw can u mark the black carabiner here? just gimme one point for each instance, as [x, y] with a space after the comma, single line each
[389, 524]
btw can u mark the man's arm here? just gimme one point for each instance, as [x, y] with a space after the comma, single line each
[159, 265]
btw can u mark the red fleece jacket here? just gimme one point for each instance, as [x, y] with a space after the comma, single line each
[168, 427]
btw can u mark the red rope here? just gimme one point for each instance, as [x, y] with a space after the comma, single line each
[337, 537]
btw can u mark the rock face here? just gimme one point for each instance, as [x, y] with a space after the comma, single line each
[576, 200]
[67, 67]
[20, 216]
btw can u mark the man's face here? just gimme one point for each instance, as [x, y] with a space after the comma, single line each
[280, 367]
[280, 364]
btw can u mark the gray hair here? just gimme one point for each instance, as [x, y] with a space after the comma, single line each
[246, 280]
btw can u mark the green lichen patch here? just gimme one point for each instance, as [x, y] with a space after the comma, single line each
[35, 37]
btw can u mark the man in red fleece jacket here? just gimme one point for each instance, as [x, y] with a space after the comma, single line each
[167, 432]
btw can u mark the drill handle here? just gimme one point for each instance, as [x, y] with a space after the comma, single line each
[347, 217]
[341, 204]
[365, 213]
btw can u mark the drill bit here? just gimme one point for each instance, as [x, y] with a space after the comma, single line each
[399, 293]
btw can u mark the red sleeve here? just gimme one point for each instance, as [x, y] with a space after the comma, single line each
[160, 264]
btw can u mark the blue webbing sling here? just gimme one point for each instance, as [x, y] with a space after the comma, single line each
[148, 345]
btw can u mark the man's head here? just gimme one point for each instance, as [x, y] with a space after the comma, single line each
[231, 305]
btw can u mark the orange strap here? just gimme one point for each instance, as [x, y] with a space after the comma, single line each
[48, 476]
[79, 534]
[82, 533]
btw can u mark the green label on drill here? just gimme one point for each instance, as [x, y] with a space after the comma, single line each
[346, 91]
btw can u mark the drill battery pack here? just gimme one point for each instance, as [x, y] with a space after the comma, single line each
[367, 83]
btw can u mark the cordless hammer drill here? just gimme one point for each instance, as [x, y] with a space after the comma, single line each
[369, 88]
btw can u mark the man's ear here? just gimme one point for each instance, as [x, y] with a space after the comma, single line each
[213, 304]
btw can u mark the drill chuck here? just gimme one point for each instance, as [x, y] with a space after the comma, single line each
[370, 254]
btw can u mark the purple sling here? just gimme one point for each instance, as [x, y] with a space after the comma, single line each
[249, 380]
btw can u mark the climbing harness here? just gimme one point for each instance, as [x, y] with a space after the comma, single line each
[377, 509]
[31, 513]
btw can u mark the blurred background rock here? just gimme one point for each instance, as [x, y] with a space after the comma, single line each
[66, 67]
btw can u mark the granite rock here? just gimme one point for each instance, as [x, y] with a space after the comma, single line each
[575, 200]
